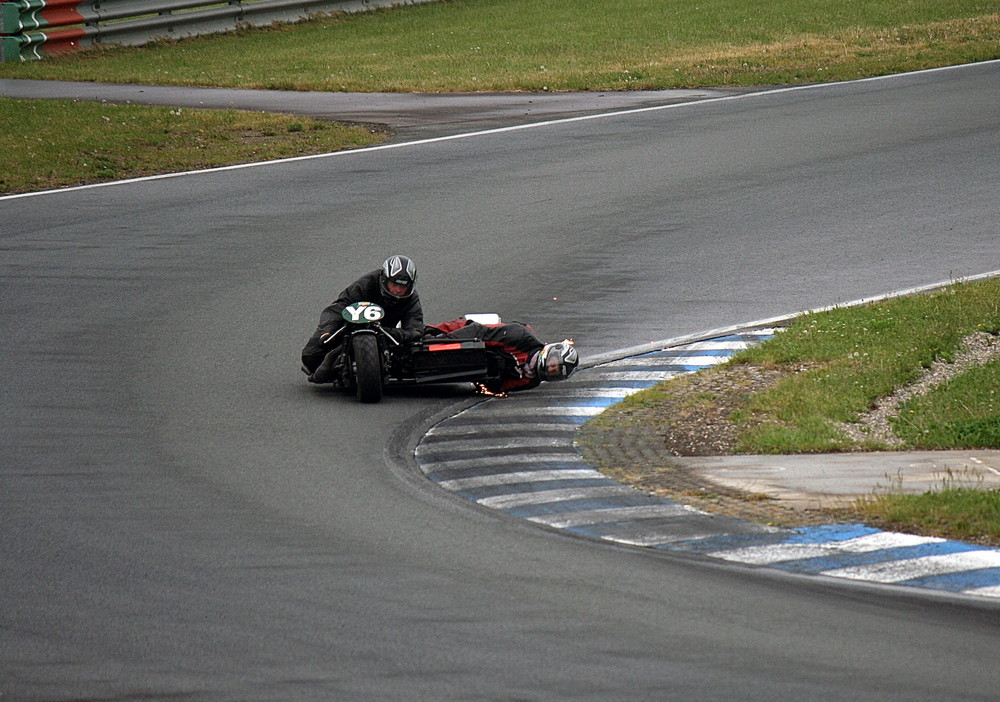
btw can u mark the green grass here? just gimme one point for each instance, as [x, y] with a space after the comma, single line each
[72, 143]
[834, 364]
[963, 413]
[954, 512]
[845, 359]
[461, 45]
[469, 45]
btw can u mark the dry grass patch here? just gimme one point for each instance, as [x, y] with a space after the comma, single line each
[844, 55]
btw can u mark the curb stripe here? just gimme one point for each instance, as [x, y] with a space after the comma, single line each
[515, 429]
[517, 455]
[476, 494]
[860, 561]
[485, 464]
[915, 568]
[491, 468]
[518, 477]
[792, 552]
[597, 516]
[544, 497]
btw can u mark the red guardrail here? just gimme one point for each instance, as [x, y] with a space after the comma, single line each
[26, 24]
[33, 29]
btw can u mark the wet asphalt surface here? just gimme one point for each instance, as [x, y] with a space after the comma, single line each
[187, 518]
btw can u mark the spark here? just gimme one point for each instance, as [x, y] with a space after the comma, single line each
[483, 390]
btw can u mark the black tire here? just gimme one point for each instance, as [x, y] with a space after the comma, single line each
[367, 367]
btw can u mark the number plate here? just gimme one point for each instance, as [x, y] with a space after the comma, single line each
[363, 313]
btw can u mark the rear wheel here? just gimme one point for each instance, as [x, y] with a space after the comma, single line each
[367, 367]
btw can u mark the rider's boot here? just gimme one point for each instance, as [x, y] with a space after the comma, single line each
[325, 373]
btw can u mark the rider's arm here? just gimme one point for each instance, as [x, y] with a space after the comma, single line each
[412, 323]
[330, 319]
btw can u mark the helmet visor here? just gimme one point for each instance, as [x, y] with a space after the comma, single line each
[399, 287]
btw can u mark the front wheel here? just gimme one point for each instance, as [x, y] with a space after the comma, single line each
[367, 367]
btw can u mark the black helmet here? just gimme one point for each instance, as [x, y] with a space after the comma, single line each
[557, 361]
[399, 270]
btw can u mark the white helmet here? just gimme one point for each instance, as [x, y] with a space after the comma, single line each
[556, 361]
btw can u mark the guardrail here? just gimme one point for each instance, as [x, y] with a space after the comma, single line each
[33, 29]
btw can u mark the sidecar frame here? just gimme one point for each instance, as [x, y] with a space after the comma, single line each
[445, 361]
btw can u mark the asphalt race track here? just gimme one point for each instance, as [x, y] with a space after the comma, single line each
[186, 518]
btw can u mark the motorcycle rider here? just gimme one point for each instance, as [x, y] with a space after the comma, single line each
[533, 361]
[392, 287]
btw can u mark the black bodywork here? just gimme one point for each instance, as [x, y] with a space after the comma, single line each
[447, 361]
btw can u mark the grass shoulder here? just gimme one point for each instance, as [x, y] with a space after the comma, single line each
[525, 45]
[74, 143]
[900, 374]
[459, 46]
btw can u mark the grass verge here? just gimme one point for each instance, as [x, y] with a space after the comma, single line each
[527, 45]
[73, 143]
[844, 360]
[953, 512]
[462, 45]
[964, 413]
[802, 390]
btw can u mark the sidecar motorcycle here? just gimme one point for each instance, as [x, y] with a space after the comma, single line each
[371, 358]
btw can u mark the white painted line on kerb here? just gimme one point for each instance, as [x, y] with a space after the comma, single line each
[776, 553]
[528, 476]
[544, 497]
[506, 411]
[604, 516]
[448, 433]
[486, 132]
[492, 461]
[500, 443]
[910, 569]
